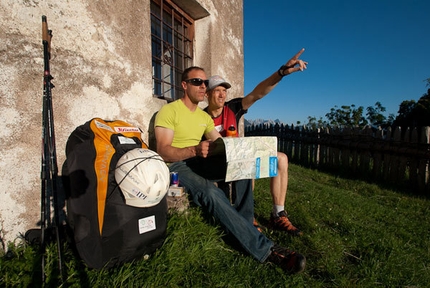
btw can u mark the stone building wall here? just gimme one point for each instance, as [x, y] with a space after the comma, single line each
[101, 64]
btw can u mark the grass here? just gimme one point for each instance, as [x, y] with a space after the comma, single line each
[355, 235]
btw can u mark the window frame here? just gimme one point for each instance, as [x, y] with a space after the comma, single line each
[176, 41]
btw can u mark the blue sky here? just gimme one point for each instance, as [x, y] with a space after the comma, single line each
[359, 52]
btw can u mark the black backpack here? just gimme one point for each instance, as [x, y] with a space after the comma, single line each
[106, 231]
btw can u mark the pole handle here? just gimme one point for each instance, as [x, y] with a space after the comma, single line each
[46, 34]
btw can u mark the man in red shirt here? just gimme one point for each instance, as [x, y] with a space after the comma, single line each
[226, 114]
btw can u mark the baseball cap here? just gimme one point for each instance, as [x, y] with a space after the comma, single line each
[215, 81]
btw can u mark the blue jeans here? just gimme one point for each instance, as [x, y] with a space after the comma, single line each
[236, 219]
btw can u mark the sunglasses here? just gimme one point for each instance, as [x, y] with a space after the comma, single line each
[197, 82]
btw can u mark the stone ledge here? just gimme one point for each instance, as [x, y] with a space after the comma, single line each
[178, 204]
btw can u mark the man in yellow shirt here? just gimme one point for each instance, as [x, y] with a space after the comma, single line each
[179, 127]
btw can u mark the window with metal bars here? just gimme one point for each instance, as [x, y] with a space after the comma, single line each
[172, 33]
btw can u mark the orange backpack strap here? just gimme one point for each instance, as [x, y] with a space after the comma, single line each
[106, 135]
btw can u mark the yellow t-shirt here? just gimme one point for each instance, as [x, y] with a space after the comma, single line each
[188, 126]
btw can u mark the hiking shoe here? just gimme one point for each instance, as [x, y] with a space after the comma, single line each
[290, 261]
[257, 225]
[281, 222]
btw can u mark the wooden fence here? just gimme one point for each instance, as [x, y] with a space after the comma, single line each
[394, 156]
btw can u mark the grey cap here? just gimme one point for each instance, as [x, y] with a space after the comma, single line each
[215, 81]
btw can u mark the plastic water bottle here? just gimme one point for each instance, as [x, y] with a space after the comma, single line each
[231, 131]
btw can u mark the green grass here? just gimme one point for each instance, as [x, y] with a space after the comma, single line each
[355, 235]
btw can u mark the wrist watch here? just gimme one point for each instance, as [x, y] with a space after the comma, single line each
[281, 70]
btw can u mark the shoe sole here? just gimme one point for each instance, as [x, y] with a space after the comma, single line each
[300, 264]
[294, 233]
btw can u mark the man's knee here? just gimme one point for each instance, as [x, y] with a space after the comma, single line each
[282, 161]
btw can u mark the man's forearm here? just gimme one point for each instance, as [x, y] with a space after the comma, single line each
[261, 90]
[173, 154]
[267, 85]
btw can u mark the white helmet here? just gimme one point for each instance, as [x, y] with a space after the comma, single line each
[143, 177]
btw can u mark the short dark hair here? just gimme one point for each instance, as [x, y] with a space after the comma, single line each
[187, 71]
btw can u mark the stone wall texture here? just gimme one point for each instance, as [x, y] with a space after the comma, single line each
[101, 64]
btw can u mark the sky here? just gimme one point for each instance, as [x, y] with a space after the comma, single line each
[359, 52]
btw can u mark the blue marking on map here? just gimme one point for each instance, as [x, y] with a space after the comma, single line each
[257, 167]
[273, 166]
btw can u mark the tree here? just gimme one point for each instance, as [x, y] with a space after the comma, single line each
[410, 114]
[349, 116]
[376, 118]
[346, 116]
[413, 113]
[422, 110]
[314, 123]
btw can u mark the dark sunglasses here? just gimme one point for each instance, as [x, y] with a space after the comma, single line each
[197, 82]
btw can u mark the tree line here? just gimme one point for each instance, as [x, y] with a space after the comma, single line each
[411, 114]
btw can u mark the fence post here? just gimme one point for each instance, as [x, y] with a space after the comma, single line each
[290, 142]
[317, 147]
[304, 150]
[423, 166]
[354, 149]
[296, 143]
[404, 156]
[365, 146]
[324, 146]
[377, 154]
[345, 154]
[394, 163]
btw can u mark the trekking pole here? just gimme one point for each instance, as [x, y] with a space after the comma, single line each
[49, 173]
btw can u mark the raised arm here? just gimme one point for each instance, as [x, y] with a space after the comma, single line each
[265, 86]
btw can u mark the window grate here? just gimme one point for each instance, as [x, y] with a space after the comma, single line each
[172, 33]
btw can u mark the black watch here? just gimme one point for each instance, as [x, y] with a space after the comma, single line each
[281, 70]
